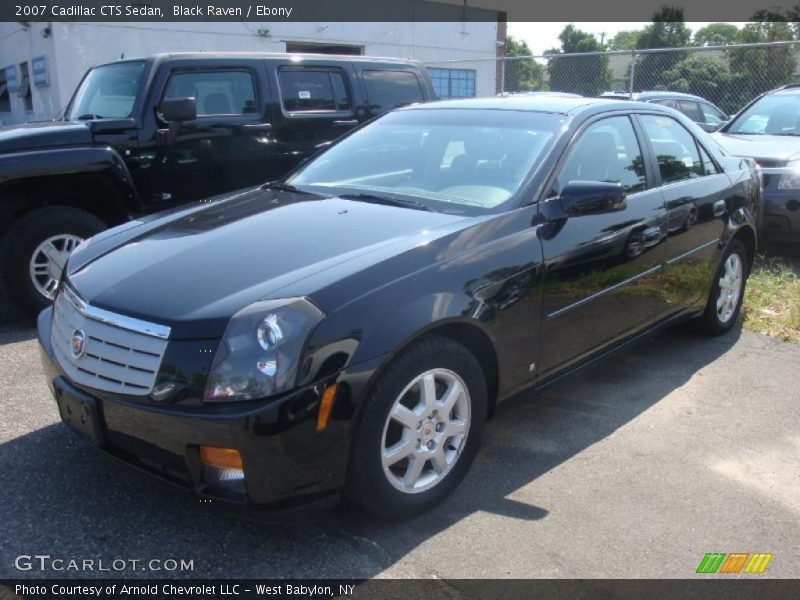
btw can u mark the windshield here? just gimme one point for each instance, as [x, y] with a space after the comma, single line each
[777, 114]
[107, 91]
[448, 160]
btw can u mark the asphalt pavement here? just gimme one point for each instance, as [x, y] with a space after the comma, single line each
[634, 468]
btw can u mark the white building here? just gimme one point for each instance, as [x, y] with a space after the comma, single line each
[42, 63]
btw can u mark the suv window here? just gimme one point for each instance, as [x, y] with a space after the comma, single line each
[313, 90]
[387, 90]
[216, 92]
[606, 151]
[675, 149]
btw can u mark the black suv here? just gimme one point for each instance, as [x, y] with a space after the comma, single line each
[144, 135]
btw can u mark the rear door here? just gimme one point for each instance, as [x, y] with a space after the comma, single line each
[317, 102]
[695, 192]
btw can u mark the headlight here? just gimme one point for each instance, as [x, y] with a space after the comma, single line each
[790, 180]
[260, 352]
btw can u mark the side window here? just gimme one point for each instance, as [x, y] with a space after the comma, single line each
[606, 151]
[691, 109]
[667, 102]
[711, 115]
[216, 92]
[709, 168]
[387, 90]
[313, 90]
[675, 149]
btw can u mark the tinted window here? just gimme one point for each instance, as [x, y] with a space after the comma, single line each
[605, 151]
[216, 93]
[691, 110]
[674, 147]
[777, 114]
[709, 168]
[313, 90]
[711, 115]
[387, 90]
[455, 161]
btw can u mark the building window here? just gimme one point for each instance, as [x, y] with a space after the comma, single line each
[307, 47]
[5, 97]
[453, 83]
[24, 91]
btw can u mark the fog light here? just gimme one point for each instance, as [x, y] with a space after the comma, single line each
[222, 468]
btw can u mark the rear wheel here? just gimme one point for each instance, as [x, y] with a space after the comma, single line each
[419, 430]
[727, 290]
[35, 249]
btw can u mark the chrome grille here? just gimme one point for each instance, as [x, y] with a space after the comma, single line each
[118, 353]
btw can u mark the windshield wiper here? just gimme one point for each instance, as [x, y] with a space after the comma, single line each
[284, 187]
[387, 200]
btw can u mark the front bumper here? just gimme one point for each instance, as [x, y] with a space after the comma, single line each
[286, 461]
[780, 220]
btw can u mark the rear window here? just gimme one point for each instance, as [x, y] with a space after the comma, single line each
[313, 90]
[387, 90]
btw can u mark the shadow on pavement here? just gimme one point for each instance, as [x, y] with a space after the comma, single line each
[62, 497]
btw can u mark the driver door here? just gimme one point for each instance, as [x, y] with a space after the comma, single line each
[602, 278]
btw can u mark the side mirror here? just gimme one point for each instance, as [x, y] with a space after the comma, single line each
[178, 110]
[592, 198]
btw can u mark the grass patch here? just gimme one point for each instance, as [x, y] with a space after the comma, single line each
[772, 299]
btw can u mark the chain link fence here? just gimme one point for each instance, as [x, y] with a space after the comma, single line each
[728, 76]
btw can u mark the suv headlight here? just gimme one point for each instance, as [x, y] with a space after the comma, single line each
[790, 180]
[259, 354]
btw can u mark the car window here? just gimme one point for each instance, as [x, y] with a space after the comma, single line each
[606, 151]
[313, 90]
[691, 109]
[387, 90]
[711, 115]
[776, 114]
[666, 102]
[675, 148]
[709, 167]
[215, 92]
[108, 91]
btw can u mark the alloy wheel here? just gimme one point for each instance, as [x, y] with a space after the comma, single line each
[425, 431]
[730, 288]
[48, 260]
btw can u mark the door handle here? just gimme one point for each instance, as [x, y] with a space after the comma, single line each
[257, 126]
[346, 123]
[720, 208]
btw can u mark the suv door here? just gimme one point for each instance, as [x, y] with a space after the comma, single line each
[317, 103]
[695, 191]
[225, 147]
[387, 89]
[602, 278]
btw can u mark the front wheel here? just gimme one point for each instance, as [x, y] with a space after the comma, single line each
[727, 290]
[419, 430]
[35, 249]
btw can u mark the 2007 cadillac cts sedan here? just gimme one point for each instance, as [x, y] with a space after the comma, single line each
[350, 328]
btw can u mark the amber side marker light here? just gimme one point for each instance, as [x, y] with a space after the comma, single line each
[325, 406]
[222, 458]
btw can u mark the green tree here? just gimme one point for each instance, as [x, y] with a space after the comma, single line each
[757, 70]
[703, 76]
[624, 40]
[585, 75]
[521, 74]
[716, 34]
[666, 31]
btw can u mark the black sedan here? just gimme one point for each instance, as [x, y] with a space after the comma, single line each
[351, 328]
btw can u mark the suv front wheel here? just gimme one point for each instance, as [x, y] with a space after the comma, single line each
[35, 249]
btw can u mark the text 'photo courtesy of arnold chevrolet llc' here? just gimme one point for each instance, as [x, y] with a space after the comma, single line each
[370, 295]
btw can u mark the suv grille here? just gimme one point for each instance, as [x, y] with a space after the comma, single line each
[104, 350]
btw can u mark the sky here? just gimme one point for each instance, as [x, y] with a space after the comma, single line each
[543, 36]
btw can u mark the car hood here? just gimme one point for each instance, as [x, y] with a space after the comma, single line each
[47, 134]
[772, 149]
[193, 269]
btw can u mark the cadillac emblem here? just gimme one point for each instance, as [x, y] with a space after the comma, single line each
[78, 344]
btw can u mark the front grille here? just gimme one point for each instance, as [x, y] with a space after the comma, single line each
[118, 353]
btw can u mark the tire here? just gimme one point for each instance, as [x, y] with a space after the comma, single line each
[383, 492]
[716, 321]
[65, 225]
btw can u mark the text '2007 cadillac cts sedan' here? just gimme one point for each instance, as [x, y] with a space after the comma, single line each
[350, 328]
